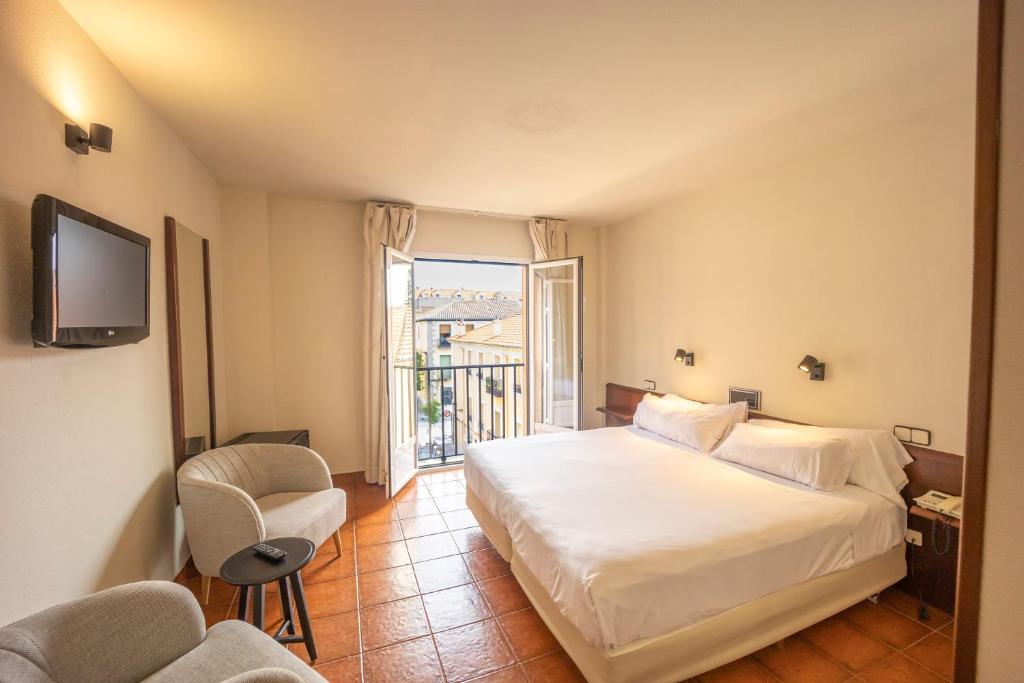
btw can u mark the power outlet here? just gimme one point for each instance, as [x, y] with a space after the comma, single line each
[915, 537]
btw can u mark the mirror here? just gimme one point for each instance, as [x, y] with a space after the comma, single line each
[189, 323]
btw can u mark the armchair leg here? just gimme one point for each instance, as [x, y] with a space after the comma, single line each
[337, 541]
[206, 589]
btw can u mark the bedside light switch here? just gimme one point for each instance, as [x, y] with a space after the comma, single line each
[915, 435]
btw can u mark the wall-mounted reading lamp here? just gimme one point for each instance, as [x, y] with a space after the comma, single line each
[816, 369]
[100, 138]
[683, 357]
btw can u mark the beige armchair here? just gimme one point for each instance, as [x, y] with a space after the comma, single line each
[148, 631]
[235, 496]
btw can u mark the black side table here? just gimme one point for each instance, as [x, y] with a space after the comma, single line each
[246, 570]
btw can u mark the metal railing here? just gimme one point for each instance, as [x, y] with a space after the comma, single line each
[460, 405]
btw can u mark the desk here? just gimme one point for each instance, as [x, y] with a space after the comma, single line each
[294, 437]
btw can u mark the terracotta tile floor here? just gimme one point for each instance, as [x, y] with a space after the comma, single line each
[421, 595]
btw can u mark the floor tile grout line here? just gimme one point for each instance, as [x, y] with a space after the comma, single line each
[920, 663]
[359, 616]
[900, 650]
[916, 621]
[874, 637]
[768, 672]
[433, 638]
[829, 657]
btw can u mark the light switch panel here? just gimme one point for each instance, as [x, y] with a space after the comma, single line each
[918, 436]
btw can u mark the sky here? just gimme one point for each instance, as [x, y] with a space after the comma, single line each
[484, 276]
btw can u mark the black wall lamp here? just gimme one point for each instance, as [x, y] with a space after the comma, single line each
[814, 367]
[683, 357]
[100, 138]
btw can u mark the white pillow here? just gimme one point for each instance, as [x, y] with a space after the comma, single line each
[740, 408]
[879, 457]
[699, 428]
[679, 400]
[817, 461]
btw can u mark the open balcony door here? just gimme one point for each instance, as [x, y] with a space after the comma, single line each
[399, 327]
[556, 345]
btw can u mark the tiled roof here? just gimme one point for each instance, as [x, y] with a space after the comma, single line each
[507, 332]
[491, 309]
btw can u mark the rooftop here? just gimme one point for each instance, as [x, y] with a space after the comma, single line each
[490, 309]
[507, 332]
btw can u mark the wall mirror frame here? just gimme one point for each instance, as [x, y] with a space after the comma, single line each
[190, 341]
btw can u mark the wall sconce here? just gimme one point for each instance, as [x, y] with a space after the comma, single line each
[683, 357]
[100, 138]
[815, 368]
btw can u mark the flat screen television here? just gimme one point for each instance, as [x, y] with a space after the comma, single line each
[90, 278]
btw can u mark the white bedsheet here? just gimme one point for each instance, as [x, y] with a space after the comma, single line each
[635, 536]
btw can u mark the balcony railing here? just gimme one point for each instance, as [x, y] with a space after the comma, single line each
[460, 405]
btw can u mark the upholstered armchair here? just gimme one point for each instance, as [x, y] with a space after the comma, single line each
[148, 631]
[235, 496]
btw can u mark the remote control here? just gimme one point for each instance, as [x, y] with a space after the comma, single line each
[269, 552]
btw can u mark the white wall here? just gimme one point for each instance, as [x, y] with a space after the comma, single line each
[316, 270]
[248, 322]
[1001, 625]
[294, 325]
[858, 253]
[87, 483]
[440, 233]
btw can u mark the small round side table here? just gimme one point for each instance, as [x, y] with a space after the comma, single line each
[246, 569]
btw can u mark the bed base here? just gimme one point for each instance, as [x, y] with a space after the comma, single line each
[703, 646]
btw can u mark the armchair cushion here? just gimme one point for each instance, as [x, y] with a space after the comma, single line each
[310, 515]
[120, 634]
[268, 675]
[232, 648]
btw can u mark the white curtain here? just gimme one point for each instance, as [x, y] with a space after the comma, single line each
[393, 226]
[550, 238]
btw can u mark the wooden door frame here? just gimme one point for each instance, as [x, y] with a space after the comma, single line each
[174, 343]
[986, 206]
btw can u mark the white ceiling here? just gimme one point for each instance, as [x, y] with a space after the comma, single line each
[585, 109]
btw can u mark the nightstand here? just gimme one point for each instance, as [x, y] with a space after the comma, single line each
[935, 574]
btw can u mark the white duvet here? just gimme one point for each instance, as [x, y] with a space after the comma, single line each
[635, 536]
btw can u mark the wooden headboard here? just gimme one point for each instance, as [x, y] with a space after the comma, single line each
[931, 469]
[620, 403]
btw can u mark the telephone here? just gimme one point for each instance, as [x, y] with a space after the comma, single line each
[943, 503]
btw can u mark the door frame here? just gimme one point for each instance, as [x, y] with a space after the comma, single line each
[528, 312]
[986, 207]
[390, 488]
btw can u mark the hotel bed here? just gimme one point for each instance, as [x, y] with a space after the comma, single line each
[651, 561]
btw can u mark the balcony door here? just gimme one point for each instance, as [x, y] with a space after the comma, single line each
[556, 345]
[399, 326]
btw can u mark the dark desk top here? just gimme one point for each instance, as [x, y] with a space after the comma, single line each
[246, 568]
[286, 437]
